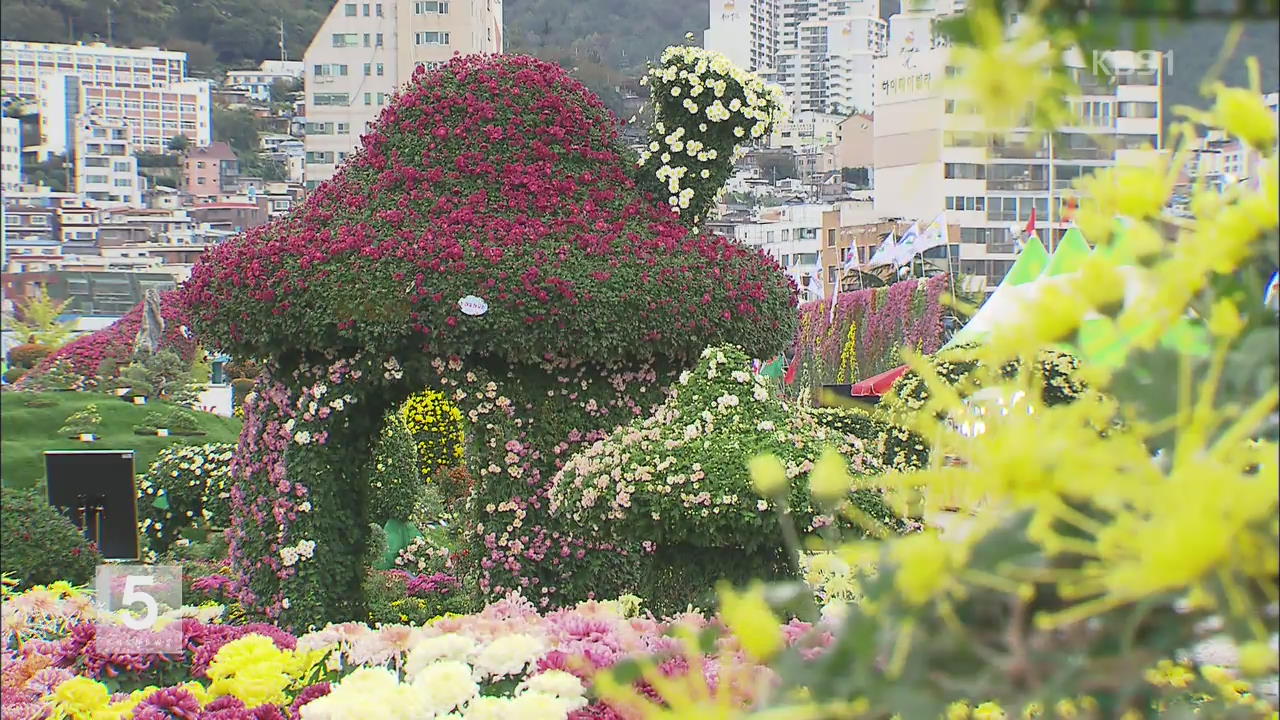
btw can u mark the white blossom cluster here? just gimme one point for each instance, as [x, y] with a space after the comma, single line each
[719, 104]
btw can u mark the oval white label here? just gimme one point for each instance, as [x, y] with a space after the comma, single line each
[472, 305]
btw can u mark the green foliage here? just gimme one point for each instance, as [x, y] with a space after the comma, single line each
[394, 482]
[237, 127]
[177, 143]
[36, 319]
[13, 374]
[31, 421]
[184, 494]
[177, 421]
[240, 388]
[28, 355]
[230, 33]
[163, 376]
[38, 545]
[897, 447]
[1056, 371]
[390, 603]
[81, 421]
[60, 375]
[677, 482]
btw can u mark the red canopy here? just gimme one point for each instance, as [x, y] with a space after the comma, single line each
[879, 384]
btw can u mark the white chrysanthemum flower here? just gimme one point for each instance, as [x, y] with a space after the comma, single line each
[445, 685]
[450, 646]
[509, 654]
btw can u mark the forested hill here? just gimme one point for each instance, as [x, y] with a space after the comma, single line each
[606, 42]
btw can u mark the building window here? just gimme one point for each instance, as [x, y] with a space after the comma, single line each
[331, 70]
[377, 9]
[343, 128]
[380, 67]
[349, 9]
[368, 69]
[331, 99]
[1002, 209]
[382, 98]
[366, 9]
[965, 171]
[319, 158]
[831, 237]
[431, 38]
[345, 40]
[425, 7]
[377, 40]
[199, 164]
[319, 128]
[366, 39]
[1137, 109]
[368, 98]
[200, 181]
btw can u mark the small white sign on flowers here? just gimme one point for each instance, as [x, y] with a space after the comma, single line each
[472, 305]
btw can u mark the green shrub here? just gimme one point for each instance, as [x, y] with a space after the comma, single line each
[240, 388]
[85, 420]
[674, 488]
[60, 375]
[395, 486]
[1056, 370]
[27, 355]
[38, 545]
[176, 420]
[13, 374]
[897, 447]
[185, 494]
[390, 601]
[163, 375]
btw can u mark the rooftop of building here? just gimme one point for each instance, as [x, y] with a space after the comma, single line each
[212, 151]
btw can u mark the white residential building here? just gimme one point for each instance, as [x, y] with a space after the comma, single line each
[932, 157]
[153, 115]
[745, 31]
[106, 169]
[365, 51]
[22, 64]
[10, 153]
[258, 83]
[821, 52]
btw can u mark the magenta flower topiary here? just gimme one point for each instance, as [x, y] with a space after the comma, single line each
[502, 178]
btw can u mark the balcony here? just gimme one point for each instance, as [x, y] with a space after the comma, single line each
[1019, 185]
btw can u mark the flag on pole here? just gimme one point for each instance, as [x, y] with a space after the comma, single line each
[850, 262]
[1030, 229]
[907, 246]
[775, 369]
[816, 288]
[884, 254]
[935, 235]
[791, 370]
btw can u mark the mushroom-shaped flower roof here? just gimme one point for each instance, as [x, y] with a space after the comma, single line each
[498, 177]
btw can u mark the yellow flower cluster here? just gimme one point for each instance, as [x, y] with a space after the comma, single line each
[849, 356]
[436, 427]
[250, 668]
[257, 672]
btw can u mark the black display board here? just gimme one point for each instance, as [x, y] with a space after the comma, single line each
[95, 490]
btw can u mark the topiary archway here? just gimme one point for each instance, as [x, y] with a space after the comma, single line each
[492, 176]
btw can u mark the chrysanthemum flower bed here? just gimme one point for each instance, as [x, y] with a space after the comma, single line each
[508, 661]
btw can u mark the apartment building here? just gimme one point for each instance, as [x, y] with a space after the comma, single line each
[933, 157]
[22, 64]
[153, 115]
[105, 166]
[365, 51]
[257, 83]
[746, 32]
[821, 52]
[10, 153]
